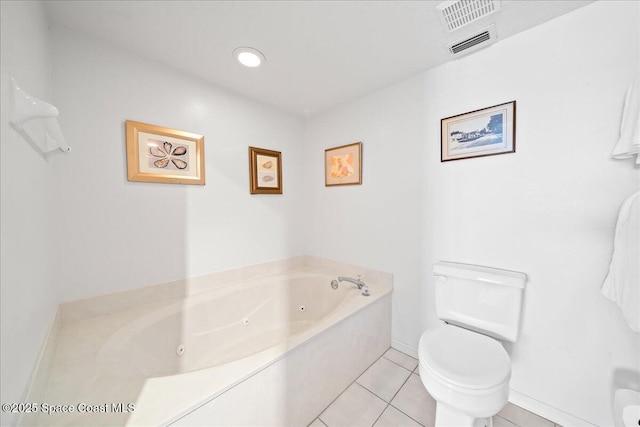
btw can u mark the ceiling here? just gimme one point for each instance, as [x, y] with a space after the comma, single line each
[320, 54]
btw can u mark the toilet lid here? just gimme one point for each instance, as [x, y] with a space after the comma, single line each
[464, 358]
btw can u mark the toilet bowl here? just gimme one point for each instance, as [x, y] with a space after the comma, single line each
[626, 408]
[466, 373]
[463, 364]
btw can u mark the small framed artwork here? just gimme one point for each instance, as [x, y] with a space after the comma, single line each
[159, 154]
[343, 165]
[484, 132]
[265, 167]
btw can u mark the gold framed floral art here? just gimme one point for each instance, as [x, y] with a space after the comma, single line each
[160, 154]
[343, 165]
[265, 171]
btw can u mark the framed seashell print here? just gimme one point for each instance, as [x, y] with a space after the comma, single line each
[265, 171]
[343, 165]
[159, 154]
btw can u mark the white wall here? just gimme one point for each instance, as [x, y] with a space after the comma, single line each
[74, 227]
[378, 224]
[548, 210]
[112, 234]
[28, 299]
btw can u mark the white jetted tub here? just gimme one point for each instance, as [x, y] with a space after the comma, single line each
[269, 351]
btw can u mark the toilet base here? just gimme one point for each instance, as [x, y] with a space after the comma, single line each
[448, 416]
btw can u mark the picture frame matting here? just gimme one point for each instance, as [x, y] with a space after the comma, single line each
[164, 155]
[485, 132]
[343, 165]
[265, 171]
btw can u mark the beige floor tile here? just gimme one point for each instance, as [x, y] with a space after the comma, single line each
[501, 422]
[522, 417]
[401, 359]
[413, 400]
[384, 378]
[317, 423]
[356, 407]
[391, 417]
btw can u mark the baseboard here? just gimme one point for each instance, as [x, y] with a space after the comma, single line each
[549, 412]
[402, 347]
[41, 369]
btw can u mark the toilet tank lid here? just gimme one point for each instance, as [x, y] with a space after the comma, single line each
[446, 269]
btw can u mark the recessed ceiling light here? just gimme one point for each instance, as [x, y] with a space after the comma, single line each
[249, 57]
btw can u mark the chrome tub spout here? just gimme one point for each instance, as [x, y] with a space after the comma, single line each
[359, 283]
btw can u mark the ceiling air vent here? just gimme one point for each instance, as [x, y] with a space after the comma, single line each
[474, 42]
[458, 13]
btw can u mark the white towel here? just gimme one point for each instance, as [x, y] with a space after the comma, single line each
[629, 143]
[622, 284]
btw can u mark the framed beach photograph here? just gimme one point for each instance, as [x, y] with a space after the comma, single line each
[484, 132]
[159, 154]
[265, 171]
[343, 165]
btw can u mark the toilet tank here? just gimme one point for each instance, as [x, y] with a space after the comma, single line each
[482, 299]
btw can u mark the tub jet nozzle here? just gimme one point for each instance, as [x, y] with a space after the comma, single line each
[180, 350]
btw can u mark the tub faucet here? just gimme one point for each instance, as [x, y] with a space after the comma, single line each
[359, 283]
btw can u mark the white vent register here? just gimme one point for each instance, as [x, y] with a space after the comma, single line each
[458, 13]
[473, 42]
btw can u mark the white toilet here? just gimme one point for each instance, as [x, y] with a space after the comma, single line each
[462, 362]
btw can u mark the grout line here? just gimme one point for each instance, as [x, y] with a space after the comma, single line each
[370, 391]
[352, 383]
[393, 361]
[321, 422]
[385, 408]
[397, 391]
[407, 415]
[393, 397]
[401, 411]
[400, 388]
[507, 420]
[411, 372]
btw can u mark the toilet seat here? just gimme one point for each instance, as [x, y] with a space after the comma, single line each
[464, 360]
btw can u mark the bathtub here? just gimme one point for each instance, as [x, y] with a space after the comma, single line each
[267, 351]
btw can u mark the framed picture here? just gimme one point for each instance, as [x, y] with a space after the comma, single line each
[265, 167]
[159, 154]
[484, 132]
[343, 165]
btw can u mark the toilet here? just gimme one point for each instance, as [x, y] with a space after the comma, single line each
[463, 364]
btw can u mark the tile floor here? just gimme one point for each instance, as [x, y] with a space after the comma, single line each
[390, 394]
